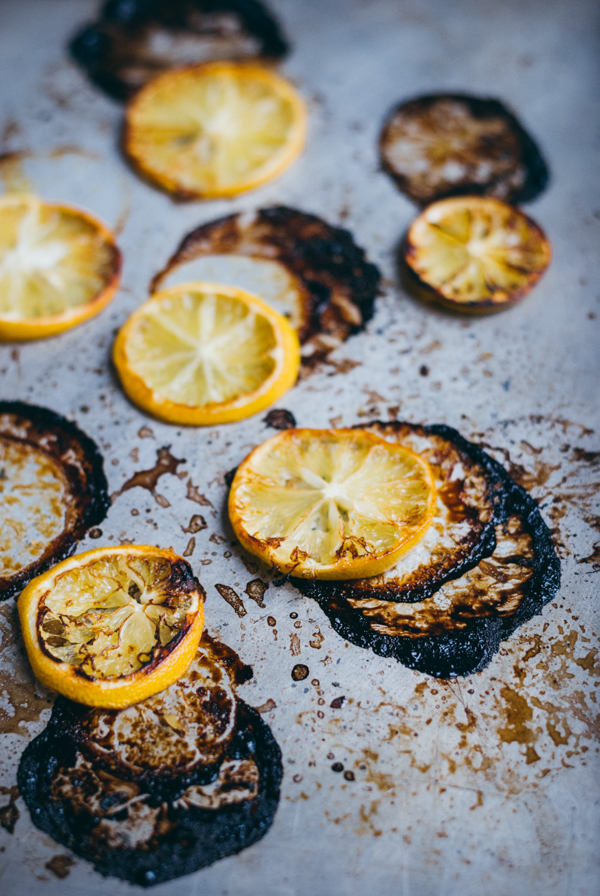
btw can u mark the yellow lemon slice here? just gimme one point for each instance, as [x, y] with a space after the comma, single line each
[331, 504]
[58, 267]
[215, 129]
[476, 254]
[204, 353]
[113, 626]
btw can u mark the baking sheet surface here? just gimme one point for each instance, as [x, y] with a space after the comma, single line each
[487, 784]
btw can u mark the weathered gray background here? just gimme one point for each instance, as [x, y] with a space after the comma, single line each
[483, 785]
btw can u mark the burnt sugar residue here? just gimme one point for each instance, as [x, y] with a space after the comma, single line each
[9, 814]
[329, 286]
[148, 479]
[255, 589]
[196, 524]
[233, 599]
[194, 494]
[60, 865]
[279, 418]
[53, 489]
[300, 672]
[134, 40]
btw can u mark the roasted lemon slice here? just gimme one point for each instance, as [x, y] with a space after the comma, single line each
[215, 129]
[204, 353]
[113, 626]
[331, 504]
[476, 254]
[58, 267]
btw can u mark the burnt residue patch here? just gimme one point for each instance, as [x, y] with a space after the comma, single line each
[105, 783]
[233, 599]
[148, 479]
[449, 144]
[134, 40]
[9, 814]
[279, 418]
[457, 629]
[60, 866]
[64, 487]
[300, 672]
[335, 285]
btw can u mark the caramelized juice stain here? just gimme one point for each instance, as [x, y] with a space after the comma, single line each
[148, 479]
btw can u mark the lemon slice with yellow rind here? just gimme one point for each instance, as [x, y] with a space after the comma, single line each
[331, 504]
[215, 129]
[59, 266]
[476, 254]
[204, 353]
[112, 626]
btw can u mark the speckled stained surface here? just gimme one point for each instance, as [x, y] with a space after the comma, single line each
[408, 786]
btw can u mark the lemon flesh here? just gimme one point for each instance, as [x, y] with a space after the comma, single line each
[473, 250]
[200, 348]
[331, 504]
[215, 129]
[33, 490]
[52, 259]
[113, 616]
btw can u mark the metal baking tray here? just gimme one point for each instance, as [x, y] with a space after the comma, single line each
[487, 784]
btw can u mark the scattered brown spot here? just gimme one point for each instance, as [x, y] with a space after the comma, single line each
[60, 866]
[279, 418]
[337, 767]
[295, 650]
[148, 479]
[193, 494]
[271, 621]
[9, 814]
[145, 433]
[337, 703]
[317, 640]
[232, 598]
[594, 557]
[266, 707]
[215, 538]
[424, 370]
[195, 525]
[256, 591]
[300, 672]
[349, 776]
[190, 547]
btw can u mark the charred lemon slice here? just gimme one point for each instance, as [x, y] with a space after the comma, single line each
[476, 254]
[450, 144]
[331, 504]
[58, 267]
[113, 626]
[204, 353]
[216, 129]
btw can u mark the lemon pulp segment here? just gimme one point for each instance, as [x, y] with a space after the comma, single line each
[206, 353]
[56, 263]
[109, 617]
[331, 504]
[472, 250]
[32, 493]
[215, 129]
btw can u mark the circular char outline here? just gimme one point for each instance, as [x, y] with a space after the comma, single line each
[448, 655]
[89, 488]
[487, 541]
[532, 159]
[341, 285]
[92, 45]
[203, 836]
